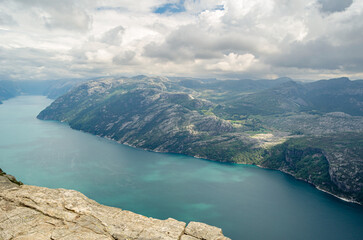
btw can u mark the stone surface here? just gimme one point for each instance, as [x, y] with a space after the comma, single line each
[204, 231]
[187, 237]
[30, 212]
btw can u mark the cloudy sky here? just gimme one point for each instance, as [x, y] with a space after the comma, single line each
[302, 39]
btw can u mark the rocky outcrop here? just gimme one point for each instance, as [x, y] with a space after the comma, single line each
[333, 163]
[30, 212]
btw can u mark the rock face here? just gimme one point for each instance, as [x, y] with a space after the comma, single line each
[145, 115]
[332, 162]
[30, 212]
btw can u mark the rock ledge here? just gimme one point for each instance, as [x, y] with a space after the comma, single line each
[30, 212]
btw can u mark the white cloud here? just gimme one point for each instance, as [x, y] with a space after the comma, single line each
[234, 63]
[212, 38]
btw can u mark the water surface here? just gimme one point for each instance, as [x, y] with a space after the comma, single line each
[245, 201]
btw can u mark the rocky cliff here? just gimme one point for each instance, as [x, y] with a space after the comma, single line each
[146, 115]
[30, 212]
[332, 162]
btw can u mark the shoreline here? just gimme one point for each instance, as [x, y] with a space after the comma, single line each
[199, 157]
[341, 198]
[317, 187]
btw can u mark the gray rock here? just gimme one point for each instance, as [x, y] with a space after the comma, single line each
[204, 231]
[187, 237]
[30, 212]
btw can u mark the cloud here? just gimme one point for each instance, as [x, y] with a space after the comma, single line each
[6, 20]
[30, 63]
[113, 36]
[206, 38]
[66, 14]
[124, 58]
[234, 63]
[320, 54]
[336, 48]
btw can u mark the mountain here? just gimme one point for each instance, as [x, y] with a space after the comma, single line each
[145, 115]
[242, 85]
[335, 95]
[51, 89]
[288, 126]
[7, 90]
[5, 94]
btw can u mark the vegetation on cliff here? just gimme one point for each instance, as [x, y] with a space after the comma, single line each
[332, 162]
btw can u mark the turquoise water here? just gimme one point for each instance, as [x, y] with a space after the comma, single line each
[247, 202]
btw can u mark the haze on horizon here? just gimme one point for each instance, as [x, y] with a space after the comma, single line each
[302, 39]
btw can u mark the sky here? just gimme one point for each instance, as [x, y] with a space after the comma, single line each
[224, 39]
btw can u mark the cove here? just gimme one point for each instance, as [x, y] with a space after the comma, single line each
[245, 201]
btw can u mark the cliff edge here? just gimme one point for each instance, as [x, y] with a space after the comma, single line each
[30, 212]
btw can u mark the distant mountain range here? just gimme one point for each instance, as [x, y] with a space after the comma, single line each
[335, 95]
[51, 89]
